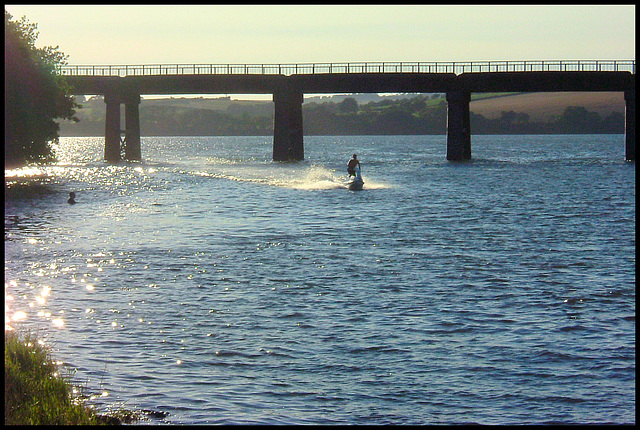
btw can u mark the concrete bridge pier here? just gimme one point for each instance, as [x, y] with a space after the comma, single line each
[630, 125]
[132, 150]
[112, 144]
[112, 128]
[287, 127]
[458, 127]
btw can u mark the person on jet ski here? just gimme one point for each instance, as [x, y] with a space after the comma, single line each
[351, 166]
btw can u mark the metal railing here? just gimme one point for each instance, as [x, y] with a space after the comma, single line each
[375, 67]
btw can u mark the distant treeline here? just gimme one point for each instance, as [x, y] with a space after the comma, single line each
[420, 115]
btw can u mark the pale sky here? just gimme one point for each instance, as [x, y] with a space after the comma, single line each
[259, 34]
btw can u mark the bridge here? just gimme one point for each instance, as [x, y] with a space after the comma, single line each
[289, 82]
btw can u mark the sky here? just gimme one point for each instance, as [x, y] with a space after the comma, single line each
[285, 34]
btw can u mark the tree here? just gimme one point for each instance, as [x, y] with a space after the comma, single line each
[577, 119]
[35, 95]
[348, 105]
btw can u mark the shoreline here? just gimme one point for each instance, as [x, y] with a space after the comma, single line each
[36, 393]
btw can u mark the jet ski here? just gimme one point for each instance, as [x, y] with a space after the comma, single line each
[356, 183]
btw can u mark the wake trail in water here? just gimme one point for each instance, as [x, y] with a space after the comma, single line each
[315, 177]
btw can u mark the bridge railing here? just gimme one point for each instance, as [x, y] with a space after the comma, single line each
[358, 67]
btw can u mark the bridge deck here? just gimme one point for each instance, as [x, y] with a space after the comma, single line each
[357, 83]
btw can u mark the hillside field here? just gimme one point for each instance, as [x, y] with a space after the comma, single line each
[540, 106]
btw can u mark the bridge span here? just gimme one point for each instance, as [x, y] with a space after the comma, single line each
[289, 83]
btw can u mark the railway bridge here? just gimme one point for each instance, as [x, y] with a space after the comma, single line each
[289, 82]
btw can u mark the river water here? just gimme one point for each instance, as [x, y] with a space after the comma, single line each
[217, 286]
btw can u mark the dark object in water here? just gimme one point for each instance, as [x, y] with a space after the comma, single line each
[155, 414]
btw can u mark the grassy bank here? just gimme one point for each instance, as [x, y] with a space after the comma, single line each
[34, 391]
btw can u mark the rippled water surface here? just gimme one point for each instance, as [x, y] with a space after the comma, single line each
[218, 286]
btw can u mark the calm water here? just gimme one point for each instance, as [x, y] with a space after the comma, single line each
[213, 284]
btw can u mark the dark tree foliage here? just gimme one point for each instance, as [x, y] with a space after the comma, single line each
[35, 95]
[348, 105]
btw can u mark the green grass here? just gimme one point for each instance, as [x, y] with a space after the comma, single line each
[34, 391]
[484, 96]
